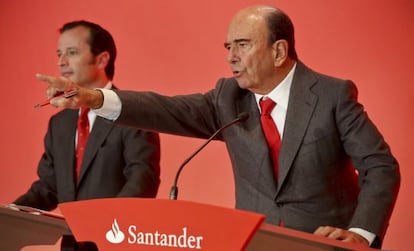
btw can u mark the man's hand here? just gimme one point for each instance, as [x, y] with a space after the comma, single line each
[341, 234]
[84, 98]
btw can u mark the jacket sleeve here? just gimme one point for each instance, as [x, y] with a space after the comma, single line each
[185, 115]
[378, 170]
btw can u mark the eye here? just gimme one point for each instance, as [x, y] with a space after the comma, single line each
[243, 44]
[72, 52]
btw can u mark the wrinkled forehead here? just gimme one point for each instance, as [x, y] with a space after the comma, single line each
[247, 26]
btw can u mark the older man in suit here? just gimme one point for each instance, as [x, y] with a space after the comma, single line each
[113, 161]
[325, 168]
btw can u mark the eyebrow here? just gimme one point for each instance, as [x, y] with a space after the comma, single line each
[69, 48]
[237, 41]
[59, 51]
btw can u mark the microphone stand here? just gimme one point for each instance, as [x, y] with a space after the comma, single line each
[174, 189]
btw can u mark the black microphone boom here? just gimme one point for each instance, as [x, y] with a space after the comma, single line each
[174, 189]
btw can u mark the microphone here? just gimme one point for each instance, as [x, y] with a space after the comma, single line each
[174, 189]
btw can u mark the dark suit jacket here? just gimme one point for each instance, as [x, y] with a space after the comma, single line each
[327, 133]
[118, 162]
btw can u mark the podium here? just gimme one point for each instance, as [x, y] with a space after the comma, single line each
[19, 228]
[156, 224]
[159, 224]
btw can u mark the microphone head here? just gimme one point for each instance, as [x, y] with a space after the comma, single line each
[243, 116]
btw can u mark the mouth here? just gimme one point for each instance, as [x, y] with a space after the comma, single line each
[66, 74]
[236, 73]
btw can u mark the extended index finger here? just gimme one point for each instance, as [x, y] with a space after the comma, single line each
[60, 83]
[44, 78]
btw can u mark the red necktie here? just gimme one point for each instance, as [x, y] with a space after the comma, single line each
[270, 131]
[83, 134]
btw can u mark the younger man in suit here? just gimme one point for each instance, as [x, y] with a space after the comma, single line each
[116, 161]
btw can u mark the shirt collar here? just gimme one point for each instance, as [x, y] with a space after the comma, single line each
[108, 85]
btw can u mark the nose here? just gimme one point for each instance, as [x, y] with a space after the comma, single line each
[62, 60]
[232, 55]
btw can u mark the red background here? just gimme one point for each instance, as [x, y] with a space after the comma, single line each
[176, 47]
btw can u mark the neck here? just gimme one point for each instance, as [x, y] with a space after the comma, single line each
[281, 73]
[98, 83]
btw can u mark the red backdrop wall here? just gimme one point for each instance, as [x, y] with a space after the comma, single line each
[176, 47]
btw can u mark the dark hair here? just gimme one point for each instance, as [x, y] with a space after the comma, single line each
[281, 27]
[100, 40]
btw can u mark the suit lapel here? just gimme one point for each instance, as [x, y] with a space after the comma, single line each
[254, 138]
[302, 103]
[100, 130]
[67, 151]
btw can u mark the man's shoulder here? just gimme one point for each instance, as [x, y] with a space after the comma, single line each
[308, 72]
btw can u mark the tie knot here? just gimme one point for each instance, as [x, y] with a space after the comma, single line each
[266, 106]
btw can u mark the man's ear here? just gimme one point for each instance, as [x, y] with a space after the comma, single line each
[280, 51]
[103, 59]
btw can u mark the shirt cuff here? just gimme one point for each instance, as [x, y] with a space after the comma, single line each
[111, 106]
[364, 233]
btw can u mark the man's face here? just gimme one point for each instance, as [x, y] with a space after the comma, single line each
[249, 54]
[76, 61]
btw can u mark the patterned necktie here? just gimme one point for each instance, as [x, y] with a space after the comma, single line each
[83, 134]
[271, 132]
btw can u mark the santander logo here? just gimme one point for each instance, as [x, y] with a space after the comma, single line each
[115, 235]
[183, 239]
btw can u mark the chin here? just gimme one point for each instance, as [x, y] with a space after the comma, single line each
[244, 84]
[71, 79]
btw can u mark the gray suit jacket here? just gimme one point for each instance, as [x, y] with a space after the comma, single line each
[118, 162]
[327, 134]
